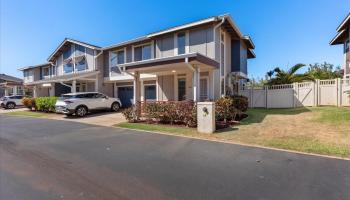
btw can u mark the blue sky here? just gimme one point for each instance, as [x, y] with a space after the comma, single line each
[285, 32]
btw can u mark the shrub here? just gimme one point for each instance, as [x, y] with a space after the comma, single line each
[240, 102]
[29, 102]
[171, 112]
[45, 104]
[129, 114]
[225, 109]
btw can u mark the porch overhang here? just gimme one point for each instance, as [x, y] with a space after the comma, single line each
[65, 78]
[164, 63]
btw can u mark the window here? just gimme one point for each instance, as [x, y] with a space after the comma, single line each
[79, 50]
[116, 58]
[347, 46]
[142, 52]
[80, 63]
[150, 92]
[181, 89]
[181, 43]
[53, 71]
[68, 67]
[46, 71]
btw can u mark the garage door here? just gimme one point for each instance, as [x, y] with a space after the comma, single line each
[126, 95]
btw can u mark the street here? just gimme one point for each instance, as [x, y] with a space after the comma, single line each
[43, 159]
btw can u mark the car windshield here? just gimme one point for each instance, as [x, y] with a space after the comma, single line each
[65, 96]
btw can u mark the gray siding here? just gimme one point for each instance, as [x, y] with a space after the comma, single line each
[90, 58]
[201, 41]
[165, 46]
[105, 57]
[239, 57]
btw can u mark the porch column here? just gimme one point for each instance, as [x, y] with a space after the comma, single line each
[96, 83]
[196, 86]
[14, 90]
[35, 92]
[74, 86]
[137, 93]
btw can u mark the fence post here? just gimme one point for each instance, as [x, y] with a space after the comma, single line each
[339, 92]
[266, 90]
[295, 94]
[251, 96]
[317, 92]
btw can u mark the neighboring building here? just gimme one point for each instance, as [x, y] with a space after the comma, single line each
[10, 85]
[196, 61]
[343, 37]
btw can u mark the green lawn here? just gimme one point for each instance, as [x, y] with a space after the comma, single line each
[26, 113]
[321, 130]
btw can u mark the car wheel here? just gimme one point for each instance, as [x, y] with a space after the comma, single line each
[10, 105]
[115, 107]
[81, 111]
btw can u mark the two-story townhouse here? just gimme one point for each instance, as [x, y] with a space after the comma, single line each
[196, 61]
[10, 85]
[343, 38]
[70, 68]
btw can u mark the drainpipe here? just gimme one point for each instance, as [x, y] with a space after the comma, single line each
[217, 26]
[65, 84]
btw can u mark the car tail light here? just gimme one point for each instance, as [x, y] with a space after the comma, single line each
[68, 102]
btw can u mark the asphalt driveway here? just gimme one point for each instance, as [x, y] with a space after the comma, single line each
[51, 159]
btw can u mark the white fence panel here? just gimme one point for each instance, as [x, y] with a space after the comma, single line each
[258, 98]
[327, 92]
[345, 92]
[280, 96]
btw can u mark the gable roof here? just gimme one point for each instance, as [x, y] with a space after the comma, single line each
[10, 78]
[344, 23]
[342, 32]
[229, 23]
[69, 40]
[34, 66]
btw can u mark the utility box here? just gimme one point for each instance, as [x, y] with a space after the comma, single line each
[206, 117]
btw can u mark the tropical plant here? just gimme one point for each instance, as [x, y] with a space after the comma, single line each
[45, 104]
[323, 71]
[289, 76]
[29, 102]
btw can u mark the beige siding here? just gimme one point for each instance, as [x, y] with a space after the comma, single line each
[166, 88]
[60, 65]
[90, 58]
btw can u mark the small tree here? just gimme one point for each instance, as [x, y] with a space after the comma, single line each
[289, 76]
[323, 71]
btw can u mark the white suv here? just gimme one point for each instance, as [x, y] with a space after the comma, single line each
[83, 102]
[11, 102]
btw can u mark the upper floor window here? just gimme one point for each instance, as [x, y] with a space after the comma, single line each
[80, 63]
[46, 71]
[181, 43]
[142, 52]
[68, 67]
[67, 53]
[347, 46]
[79, 50]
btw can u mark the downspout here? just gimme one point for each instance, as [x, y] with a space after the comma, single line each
[215, 27]
[65, 84]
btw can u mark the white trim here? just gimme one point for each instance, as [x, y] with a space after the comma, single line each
[182, 27]
[175, 45]
[343, 23]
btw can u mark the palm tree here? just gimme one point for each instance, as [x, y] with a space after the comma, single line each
[270, 74]
[290, 76]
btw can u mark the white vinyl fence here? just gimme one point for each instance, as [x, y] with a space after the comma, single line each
[330, 92]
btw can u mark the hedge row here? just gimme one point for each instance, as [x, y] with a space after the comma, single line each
[43, 104]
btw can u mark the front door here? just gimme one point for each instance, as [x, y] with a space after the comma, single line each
[181, 89]
[126, 95]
